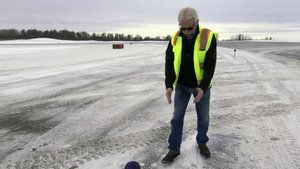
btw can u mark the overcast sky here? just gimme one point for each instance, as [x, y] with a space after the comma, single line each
[277, 18]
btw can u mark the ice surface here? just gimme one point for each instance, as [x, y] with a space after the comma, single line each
[88, 106]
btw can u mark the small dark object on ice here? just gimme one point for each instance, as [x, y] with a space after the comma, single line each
[132, 165]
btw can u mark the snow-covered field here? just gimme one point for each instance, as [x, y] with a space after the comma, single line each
[91, 107]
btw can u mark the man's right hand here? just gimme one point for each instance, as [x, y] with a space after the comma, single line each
[169, 95]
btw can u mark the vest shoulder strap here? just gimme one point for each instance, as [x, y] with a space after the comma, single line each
[174, 38]
[204, 34]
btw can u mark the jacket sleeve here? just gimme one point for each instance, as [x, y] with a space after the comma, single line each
[169, 67]
[209, 65]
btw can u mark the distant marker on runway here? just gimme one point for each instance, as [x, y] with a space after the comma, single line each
[234, 53]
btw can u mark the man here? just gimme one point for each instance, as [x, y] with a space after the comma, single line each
[190, 65]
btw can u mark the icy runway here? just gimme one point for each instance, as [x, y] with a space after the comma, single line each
[89, 106]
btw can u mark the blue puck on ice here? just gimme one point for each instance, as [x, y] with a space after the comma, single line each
[132, 165]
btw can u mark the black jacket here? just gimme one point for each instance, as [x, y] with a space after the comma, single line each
[187, 75]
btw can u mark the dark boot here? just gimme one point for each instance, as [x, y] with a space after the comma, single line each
[170, 157]
[204, 150]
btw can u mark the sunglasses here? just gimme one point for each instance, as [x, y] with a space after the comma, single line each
[188, 28]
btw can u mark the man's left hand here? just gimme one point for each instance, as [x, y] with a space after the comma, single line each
[199, 95]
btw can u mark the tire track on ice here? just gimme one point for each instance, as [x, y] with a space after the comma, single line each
[103, 144]
[289, 142]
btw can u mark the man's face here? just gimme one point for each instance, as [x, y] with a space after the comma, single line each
[188, 26]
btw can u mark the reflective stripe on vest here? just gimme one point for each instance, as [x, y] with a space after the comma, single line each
[202, 44]
[203, 38]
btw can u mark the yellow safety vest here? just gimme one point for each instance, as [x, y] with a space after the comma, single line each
[202, 44]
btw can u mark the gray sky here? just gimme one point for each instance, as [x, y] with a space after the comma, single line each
[153, 17]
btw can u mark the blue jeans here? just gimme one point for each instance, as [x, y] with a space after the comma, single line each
[182, 97]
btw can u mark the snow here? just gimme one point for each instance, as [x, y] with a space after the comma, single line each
[49, 41]
[87, 106]
[41, 41]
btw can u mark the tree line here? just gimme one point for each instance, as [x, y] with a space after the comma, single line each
[247, 37]
[11, 34]
[241, 37]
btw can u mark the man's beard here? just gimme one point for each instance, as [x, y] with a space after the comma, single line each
[189, 36]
